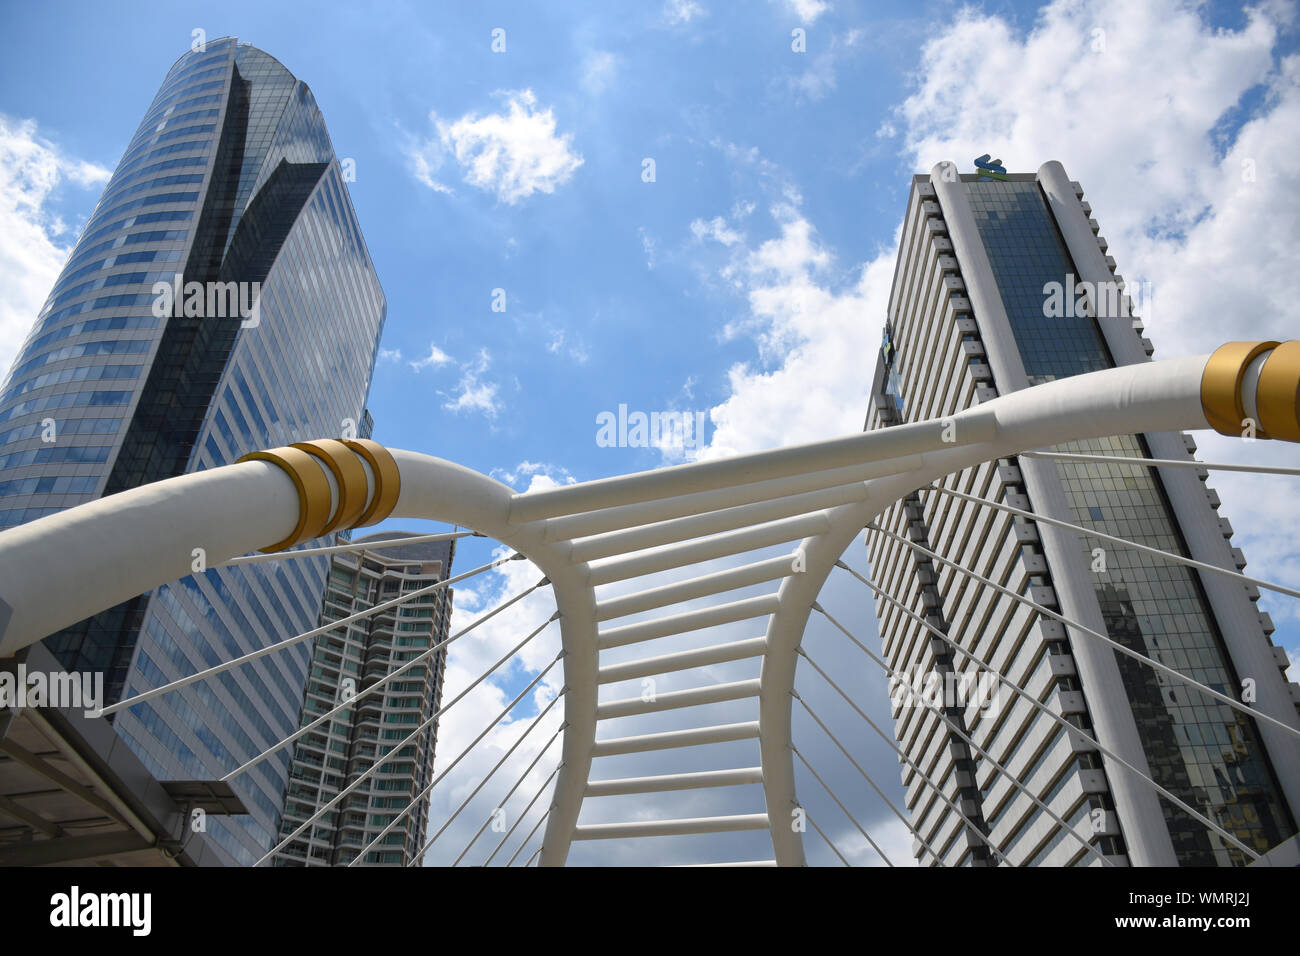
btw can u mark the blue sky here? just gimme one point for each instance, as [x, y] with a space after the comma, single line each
[749, 280]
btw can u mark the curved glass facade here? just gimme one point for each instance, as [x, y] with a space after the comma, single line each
[231, 181]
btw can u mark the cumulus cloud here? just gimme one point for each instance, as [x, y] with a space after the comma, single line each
[536, 475]
[34, 242]
[1196, 196]
[1199, 201]
[715, 229]
[807, 10]
[512, 154]
[1208, 216]
[436, 358]
[473, 394]
[682, 11]
[812, 334]
[1164, 172]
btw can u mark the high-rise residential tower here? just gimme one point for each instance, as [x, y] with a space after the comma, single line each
[349, 661]
[1003, 282]
[220, 300]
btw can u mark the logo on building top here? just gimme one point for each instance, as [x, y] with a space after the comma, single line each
[990, 168]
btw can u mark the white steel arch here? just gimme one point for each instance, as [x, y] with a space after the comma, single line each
[817, 496]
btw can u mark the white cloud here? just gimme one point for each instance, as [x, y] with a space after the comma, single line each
[512, 154]
[647, 246]
[32, 239]
[390, 355]
[682, 11]
[538, 474]
[1154, 169]
[1137, 125]
[436, 358]
[715, 229]
[598, 71]
[1209, 219]
[472, 393]
[807, 10]
[559, 344]
[810, 377]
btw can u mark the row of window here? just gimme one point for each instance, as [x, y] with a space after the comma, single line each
[79, 454]
[146, 201]
[68, 426]
[121, 300]
[165, 215]
[112, 323]
[66, 400]
[81, 350]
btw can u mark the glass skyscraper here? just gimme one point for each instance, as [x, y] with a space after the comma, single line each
[970, 317]
[231, 182]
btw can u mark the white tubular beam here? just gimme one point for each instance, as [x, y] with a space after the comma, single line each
[728, 613]
[1164, 462]
[675, 781]
[682, 660]
[702, 586]
[785, 630]
[728, 507]
[975, 425]
[435, 488]
[125, 544]
[712, 694]
[671, 739]
[707, 549]
[738, 864]
[650, 828]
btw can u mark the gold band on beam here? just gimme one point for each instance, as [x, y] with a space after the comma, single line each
[1277, 396]
[315, 501]
[349, 478]
[365, 489]
[387, 478]
[1221, 383]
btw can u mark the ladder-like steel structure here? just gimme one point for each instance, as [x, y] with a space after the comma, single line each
[810, 500]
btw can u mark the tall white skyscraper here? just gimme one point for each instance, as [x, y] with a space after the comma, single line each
[1003, 282]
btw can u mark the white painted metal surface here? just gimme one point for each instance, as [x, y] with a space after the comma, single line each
[813, 498]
